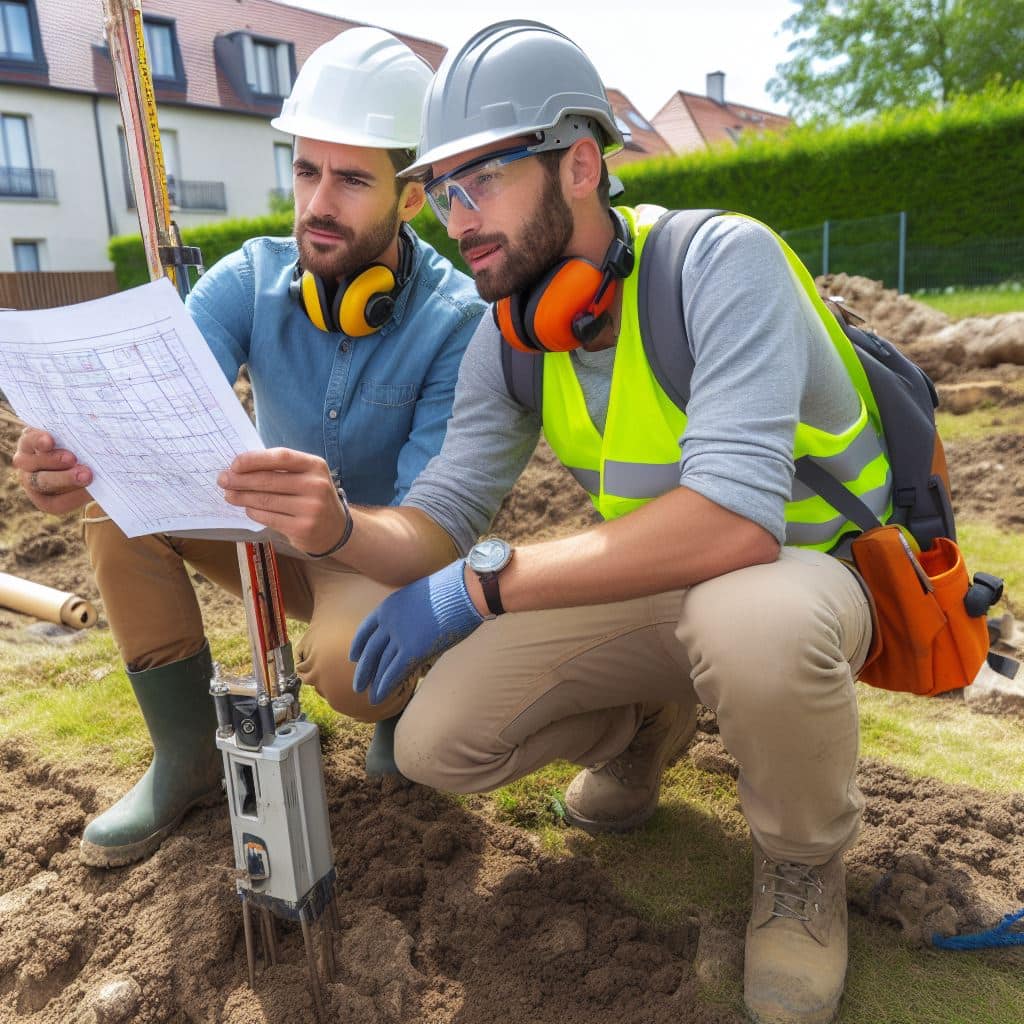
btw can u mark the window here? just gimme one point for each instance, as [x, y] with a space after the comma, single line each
[17, 177]
[15, 30]
[26, 257]
[172, 163]
[164, 56]
[268, 66]
[283, 166]
[15, 151]
[638, 120]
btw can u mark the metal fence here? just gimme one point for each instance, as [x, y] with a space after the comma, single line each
[49, 288]
[27, 182]
[188, 195]
[878, 248]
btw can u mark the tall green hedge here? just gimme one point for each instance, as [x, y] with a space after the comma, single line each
[217, 240]
[958, 172]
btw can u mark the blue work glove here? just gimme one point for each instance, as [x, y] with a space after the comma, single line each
[410, 627]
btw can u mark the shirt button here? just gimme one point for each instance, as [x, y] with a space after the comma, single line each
[333, 414]
[344, 346]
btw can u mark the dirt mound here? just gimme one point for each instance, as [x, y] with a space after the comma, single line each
[943, 348]
[444, 917]
[931, 858]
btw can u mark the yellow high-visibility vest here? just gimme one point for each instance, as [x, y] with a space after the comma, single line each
[637, 458]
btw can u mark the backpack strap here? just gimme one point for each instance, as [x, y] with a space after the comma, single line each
[826, 486]
[524, 375]
[660, 299]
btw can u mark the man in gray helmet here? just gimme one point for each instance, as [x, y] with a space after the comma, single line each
[352, 333]
[709, 579]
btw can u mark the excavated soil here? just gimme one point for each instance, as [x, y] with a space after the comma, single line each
[447, 915]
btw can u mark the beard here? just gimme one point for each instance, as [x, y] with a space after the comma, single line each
[332, 263]
[542, 243]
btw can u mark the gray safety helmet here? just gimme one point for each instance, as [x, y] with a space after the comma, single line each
[513, 78]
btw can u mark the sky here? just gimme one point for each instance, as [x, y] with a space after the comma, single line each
[647, 49]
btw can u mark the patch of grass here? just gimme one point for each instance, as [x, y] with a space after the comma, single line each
[1001, 552]
[1007, 298]
[536, 802]
[892, 982]
[981, 422]
[935, 737]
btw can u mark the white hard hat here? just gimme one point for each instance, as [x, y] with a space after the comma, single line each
[363, 88]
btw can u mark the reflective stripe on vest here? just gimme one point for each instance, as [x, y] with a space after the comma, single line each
[638, 456]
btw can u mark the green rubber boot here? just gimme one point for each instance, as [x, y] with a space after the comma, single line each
[380, 757]
[187, 766]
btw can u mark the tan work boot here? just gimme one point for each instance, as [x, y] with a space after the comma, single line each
[623, 793]
[796, 941]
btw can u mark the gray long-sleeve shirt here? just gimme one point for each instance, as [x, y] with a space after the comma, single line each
[763, 361]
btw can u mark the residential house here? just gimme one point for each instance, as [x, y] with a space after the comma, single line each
[689, 121]
[641, 137]
[220, 71]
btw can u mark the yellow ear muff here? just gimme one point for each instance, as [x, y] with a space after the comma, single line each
[357, 297]
[313, 300]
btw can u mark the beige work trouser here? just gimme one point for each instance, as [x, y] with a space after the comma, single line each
[773, 649]
[155, 617]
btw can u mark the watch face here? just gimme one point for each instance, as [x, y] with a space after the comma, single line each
[489, 555]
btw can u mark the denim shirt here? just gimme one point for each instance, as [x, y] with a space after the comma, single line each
[375, 408]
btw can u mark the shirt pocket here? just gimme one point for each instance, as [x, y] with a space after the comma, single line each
[392, 395]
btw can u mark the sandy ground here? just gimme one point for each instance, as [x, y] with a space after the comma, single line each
[446, 915]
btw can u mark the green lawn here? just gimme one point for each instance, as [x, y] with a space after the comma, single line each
[1007, 298]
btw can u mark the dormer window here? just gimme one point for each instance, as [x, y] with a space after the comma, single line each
[15, 31]
[163, 52]
[260, 70]
[268, 66]
[21, 47]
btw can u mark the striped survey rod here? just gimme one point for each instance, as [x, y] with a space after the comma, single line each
[272, 761]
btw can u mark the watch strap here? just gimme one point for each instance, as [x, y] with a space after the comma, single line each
[492, 592]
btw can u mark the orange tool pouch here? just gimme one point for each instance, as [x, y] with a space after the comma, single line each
[930, 624]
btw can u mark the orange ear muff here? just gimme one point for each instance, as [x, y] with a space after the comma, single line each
[506, 316]
[567, 292]
[365, 302]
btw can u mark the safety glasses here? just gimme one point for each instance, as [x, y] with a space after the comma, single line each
[474, 183]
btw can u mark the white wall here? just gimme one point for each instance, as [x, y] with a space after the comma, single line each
[74, 226]
[235, 149]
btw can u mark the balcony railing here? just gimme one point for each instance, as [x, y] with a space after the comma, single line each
[190, 195]
[27, 183]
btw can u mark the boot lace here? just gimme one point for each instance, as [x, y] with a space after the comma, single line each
[795, 887]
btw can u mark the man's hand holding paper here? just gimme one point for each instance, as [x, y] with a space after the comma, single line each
[52, 477]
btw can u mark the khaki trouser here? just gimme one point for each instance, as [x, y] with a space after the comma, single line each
[773, 649]
[155, 618]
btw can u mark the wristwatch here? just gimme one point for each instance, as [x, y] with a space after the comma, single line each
[487, 559]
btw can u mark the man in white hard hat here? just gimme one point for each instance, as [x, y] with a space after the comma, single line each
[710, 578]
[352, 332]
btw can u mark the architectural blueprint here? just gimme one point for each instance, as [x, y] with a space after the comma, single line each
[129, 385]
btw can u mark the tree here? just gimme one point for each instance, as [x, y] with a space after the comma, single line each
[856, 57]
